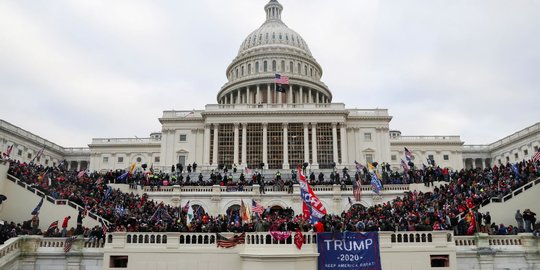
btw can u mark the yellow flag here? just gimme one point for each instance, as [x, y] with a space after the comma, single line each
[132, 168]
[370, 166]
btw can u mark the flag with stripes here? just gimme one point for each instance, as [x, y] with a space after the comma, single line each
[536, 156]
[280, 81]
[357, 190]
[8, 151]
[69, 243]
[408, 155]
[225, 242]
[104, 226]
[53, 225]
[256, 207]
[359, 167]
[245, 213]
[404, 165]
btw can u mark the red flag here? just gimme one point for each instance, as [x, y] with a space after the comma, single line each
[305, 210]
[472, 225]
[298, 238]
[53, 225]
[470, 203]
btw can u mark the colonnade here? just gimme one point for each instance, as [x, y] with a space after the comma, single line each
[266, 93]
[338, 142]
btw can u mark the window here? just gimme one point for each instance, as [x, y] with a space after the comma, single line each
[139, 159]
[249, 69]
[394, 158]
[183, 137]
[299, 68]
[118, 262]
[536, 149]
[525, 152]
[369, 158]
[29, 155]
[46, 162]
[105, 159]
[242, 73]
[236, 73]
[311, 72]
[156, 159]
[120, 159]
[182, 160]
[305, 70]
[516, 155]
[430, 157]
[446, 157]
[439, 261]
[256, 67]
[265, 66]
[273, 65]
[507, 159]
[367, 136]
[282, 66]
[291, 67]
[19, 152]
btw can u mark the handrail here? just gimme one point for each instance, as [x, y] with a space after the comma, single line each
[54, 200]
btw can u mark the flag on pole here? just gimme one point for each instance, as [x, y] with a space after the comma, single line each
[359, 167]
[186, 207]
[376, 183]
[53, 225]
[244, 212]
[104, 226]
[312, 202]
[38, 207]
[408, 155]
[357, 190]
[8, 151]
[256, 207]
[536, 156]
[350, 201]
[132, 168]
[190, 214]
[281, 80]
[404, 165]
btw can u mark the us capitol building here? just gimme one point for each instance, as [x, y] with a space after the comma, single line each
[254, 126]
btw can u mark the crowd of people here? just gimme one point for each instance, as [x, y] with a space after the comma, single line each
[445, 208]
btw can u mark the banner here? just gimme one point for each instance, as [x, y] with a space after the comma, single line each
[349, 251]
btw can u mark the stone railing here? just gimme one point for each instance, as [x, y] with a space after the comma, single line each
[53, 200]
[125, 140]
[269, 189]
[483, 240]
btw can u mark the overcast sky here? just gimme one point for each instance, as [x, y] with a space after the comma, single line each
[75, 70]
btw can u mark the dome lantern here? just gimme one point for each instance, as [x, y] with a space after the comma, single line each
[273, 10]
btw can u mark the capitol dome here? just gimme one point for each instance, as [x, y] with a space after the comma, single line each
[270, 50]
[273, 32]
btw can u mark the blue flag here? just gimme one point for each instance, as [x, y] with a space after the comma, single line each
[515, 170]
[38, 207]
[375, 183]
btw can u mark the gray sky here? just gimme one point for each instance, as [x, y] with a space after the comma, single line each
[75, 70]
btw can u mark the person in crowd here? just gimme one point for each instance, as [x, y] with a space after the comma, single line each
[519, 220]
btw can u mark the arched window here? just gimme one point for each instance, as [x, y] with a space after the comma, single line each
[273, 65]
[236, 73]
[311, 72]
[299, 69]
[305, 70]
[249, 69]
[242, 71]
[291, 67]
[265, 66]
[282, 65]
[273, 36]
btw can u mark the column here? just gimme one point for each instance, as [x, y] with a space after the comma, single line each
[237, 96]
[357, 144]
[316, 96]
[235, 144]
[314, 145]
[344, 146]
[258, 94]
[301, 95]
[244, 145]
[268, 97]
[334, 143]
[290, 95]
[215, 150]
[279, 98]
[265, 144]
[306, 143]
[249, 95]
[285, 146]
[310, 99]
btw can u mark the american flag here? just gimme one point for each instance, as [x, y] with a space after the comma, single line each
[408, 155]
[69, 243]
[53, 225]
[281, 79]
[225, 242]
[536, 156]
[8, 151]
[357, 190]
[256, 207]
